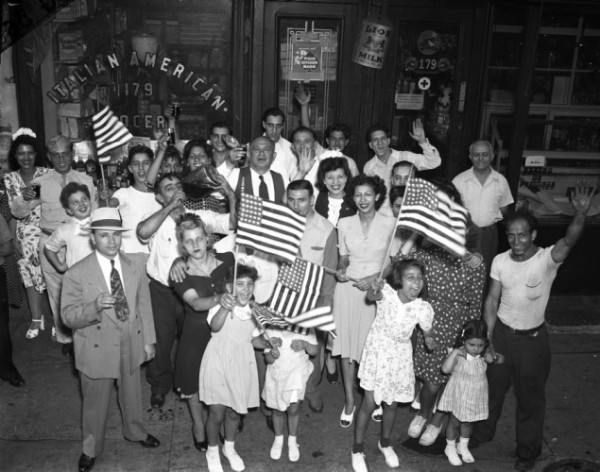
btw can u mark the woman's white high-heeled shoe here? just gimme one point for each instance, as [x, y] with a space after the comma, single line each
[34, 328]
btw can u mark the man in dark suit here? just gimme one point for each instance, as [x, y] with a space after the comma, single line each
[106, 302]
[258, 179]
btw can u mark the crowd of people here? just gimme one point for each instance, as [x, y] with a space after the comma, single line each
[120, 277]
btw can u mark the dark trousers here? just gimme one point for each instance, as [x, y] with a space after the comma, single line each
[167, 309]
[7, 368]
[526, 368]
[489, 250]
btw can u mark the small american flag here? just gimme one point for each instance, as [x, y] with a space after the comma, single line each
[266, 317]
[269, 227]
[431, 213]
[298, 287]
[109, 132]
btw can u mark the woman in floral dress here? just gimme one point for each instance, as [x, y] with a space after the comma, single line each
[26, 160]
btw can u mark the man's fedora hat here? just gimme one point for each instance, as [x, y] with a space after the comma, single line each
[106, 218]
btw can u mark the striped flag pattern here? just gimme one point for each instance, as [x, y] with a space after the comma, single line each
[269, 227]
[266, 317]
[318, 318]
[431, 213]
[109, 132]
[297, 289]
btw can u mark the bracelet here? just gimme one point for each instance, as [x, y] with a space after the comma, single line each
[266, 350]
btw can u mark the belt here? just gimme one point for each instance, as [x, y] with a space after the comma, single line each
[525, 332]
[46, 231]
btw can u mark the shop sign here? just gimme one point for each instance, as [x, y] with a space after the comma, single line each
[373, 42]
[306, 49]
[60, 92]
[409, 101]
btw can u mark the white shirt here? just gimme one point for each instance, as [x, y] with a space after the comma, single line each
[164, 248]
[525, 287]
[430, 159]
[106, 268]
[255, 176]
[285, 161]
[133, 204]
[72, 236]
[483, 201]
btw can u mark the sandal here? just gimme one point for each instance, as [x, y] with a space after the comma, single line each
[346, 420]
[34, 328]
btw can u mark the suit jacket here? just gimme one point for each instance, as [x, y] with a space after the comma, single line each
[96, 335]
[245, 181]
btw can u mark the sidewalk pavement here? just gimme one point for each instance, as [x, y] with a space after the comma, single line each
[40, 423]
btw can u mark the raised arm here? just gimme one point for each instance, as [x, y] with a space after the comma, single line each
[154, 170]
[581, 199]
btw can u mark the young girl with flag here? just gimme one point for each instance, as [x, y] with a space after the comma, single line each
[386, 368]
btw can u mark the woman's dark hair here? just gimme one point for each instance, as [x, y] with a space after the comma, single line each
[328, 165]
[373, 181]
[243, 271]
[196, 142]
[398, 269]
[70, 189]
[449, 189]
[473, 329]
[27, 140]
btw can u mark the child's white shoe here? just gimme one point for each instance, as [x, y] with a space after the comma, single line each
[416, 426]
[451, 453]
[377, 414]
[293, 450]
[391, 458]
[276, 448]
[213, 459]
[463, 450]
[359, 464]
[430, 435]
[235, 461]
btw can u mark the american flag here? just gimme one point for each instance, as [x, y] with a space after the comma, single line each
[298, 287]
[266, 317]
[431, 213]
[109, 132]
[269, 227]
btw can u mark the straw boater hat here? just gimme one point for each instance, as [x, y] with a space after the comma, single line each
[106, 218]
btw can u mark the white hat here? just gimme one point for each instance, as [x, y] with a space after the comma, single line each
[106, 218]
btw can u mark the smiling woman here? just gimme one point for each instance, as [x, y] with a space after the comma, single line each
[25, 158]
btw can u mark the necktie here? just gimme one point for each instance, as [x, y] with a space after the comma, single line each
[263, 191]
[116, 289]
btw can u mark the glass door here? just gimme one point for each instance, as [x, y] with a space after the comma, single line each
[310, 45]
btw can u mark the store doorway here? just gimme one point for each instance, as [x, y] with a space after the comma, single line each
[308, 44]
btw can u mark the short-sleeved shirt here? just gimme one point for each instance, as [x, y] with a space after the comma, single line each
[51, 184]
[133, 204]
[74, 237]
[525, 287]
[483, 201]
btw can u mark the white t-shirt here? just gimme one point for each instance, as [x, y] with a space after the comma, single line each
[525, 287]
[74, 238]
[133, 204]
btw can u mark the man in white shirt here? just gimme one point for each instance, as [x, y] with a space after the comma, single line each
[284, 162]
[521, 280]
[486, 194]
[385, 157]
[258, 178]
[159, 229]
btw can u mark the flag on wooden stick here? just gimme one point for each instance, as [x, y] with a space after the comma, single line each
[431, 213]
[109, 132]
[269, 227]
[298, 288]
